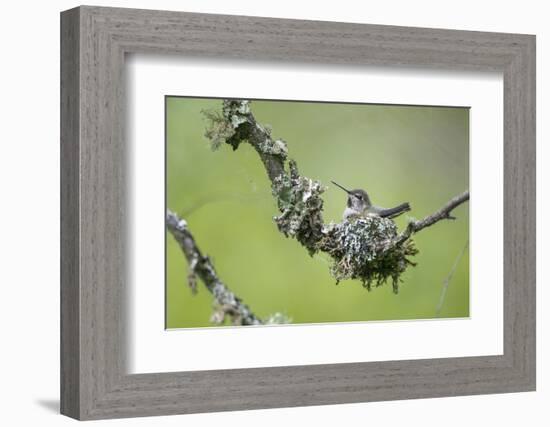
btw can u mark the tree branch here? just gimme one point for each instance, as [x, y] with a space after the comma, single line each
[369, 249]
[298, 198]
[228, 303]
[443, 213]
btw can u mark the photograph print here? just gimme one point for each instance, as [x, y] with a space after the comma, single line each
[301, 212]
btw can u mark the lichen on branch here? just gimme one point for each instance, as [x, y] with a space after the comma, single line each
[300, 203]
[368, 249]
[298, 197]
[226, 304]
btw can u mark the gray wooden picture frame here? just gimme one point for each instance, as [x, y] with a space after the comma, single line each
[94, 381]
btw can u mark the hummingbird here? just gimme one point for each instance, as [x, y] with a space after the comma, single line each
[359, 205]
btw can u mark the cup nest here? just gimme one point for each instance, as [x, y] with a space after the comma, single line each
[365, 249]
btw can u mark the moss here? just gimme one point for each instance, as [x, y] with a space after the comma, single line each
[362, 249]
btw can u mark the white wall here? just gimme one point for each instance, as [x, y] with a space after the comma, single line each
[29, 236]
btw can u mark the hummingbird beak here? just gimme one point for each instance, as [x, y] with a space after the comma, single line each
[338, 185]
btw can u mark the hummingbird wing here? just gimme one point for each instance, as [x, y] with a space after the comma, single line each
[393, 212]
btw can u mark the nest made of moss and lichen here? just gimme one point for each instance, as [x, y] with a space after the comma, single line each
[364, 249]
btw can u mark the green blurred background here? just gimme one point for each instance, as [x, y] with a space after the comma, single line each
[395, 153]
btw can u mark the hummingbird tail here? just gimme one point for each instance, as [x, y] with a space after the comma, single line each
[393, 212]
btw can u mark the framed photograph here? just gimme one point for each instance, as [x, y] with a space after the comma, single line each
[262, 213]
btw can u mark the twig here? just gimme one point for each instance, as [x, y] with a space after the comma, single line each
[443, 213]
[228, 303]
[448, 279]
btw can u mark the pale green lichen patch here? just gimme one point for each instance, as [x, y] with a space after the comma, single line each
[225, 127]
[274, 148]
[277, 319]
[236, 124]
[300, 203]
[362, 249]
[236, 112]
